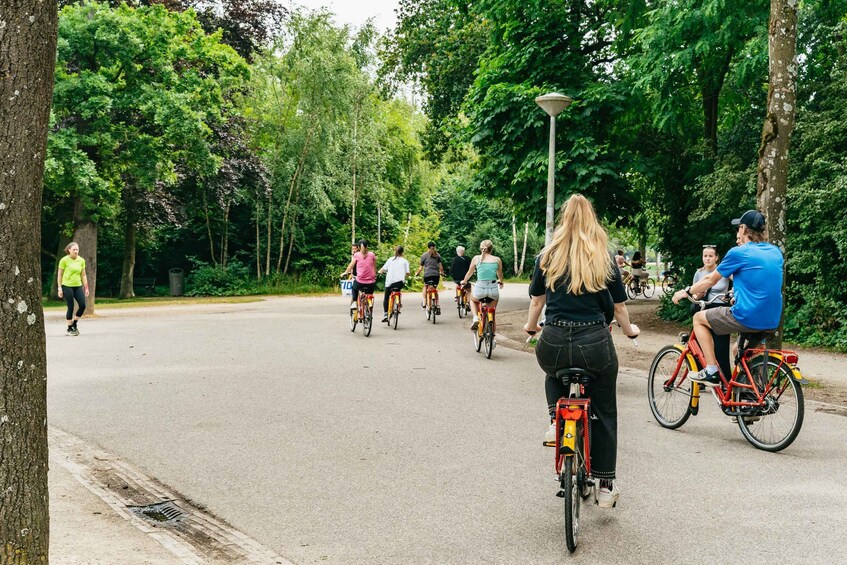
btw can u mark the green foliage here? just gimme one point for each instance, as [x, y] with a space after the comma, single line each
[213, 280]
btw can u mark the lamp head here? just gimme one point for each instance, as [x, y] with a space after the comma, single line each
[553, 103]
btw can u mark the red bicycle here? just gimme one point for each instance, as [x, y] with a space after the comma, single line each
[763, 395]
[432, 307]
[484, 333]
[573, 449]
[463, 305]
[395, 303]
[364, 313]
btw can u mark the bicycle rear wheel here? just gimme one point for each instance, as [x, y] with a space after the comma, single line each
[669, 390]
[353, 320]
[631, 292]
[488, 338]
[477, 339]
[650, 288]
[460, 306]
[667, 284]
[581, 473]
[395, 316]
[434, 310]
[774, 426]
[572, 502]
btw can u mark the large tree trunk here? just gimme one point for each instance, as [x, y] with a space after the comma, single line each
[772, 182]
[295, 179]
[523, 253]
[85, 234]
[209, 228]
[258, 244]
[27, 58]
[515, 243]
[128, 271]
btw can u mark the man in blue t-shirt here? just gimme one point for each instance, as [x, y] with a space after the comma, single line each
[756, 270]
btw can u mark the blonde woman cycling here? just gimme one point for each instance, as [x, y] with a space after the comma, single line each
[576, 278]
[489, 278]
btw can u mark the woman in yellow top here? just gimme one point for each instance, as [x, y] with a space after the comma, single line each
[73, 285]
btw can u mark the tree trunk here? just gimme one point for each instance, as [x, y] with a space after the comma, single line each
[258, 244]
[270, 231]
[523, 253]
[60, 252]
[292, 230]
[378, 225]
[28, 47]
[225, 236]
[128, 272]
[772, 182]
[209, 228]
[515, 242]
[301, 164]
[85, 234]
[353, 169]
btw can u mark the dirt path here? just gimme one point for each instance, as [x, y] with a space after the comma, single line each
[827, 371]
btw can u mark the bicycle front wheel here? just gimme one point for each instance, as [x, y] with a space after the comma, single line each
[669, 389]
[488, 338]
[649, 288]
[572, 501]
[368, 322]
[631, 291]
[774, 426]
[667, 284]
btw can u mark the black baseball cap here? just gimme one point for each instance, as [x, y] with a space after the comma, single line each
[753, 219]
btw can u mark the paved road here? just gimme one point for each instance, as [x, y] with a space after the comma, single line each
[409, 447]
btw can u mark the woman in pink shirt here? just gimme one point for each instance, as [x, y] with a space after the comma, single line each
[365, 279]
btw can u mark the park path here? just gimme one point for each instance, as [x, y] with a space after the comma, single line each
[408, 446]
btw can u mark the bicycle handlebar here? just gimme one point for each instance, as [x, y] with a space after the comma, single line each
[724, 297]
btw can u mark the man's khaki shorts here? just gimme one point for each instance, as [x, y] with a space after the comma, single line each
[723, 322]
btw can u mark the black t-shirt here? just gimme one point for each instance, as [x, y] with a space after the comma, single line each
[459, 267]
[586, 307]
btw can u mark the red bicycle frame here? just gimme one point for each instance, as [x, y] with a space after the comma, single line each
[432, 294]
[569, 411]
[486, 317]
[726, 393]
[361, 303]
[395, 295]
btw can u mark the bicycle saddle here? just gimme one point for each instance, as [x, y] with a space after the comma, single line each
[486, 300]
[573, 375]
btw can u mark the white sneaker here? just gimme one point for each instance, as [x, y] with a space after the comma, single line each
[353, 306]
[550, 435]
[605, 498]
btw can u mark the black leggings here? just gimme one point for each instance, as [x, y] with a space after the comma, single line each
[388, 290]
[70, 294]
[591, 348]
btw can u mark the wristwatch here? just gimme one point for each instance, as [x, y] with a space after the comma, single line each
[688, 291]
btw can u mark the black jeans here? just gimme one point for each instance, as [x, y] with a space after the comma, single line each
[589, 348]
[70, 293]
[388, 290]
[362, 287]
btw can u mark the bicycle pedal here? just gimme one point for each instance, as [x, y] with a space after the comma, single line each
[561, 494]
[548, 443]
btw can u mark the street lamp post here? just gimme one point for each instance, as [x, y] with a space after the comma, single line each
[553, 104]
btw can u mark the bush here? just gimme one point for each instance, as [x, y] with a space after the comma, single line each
[818, 320]
[674, 312]
[212, 280]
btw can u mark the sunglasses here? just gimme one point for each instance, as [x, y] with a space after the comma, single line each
[707, 246]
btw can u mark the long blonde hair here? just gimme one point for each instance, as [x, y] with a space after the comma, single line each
[578, 251]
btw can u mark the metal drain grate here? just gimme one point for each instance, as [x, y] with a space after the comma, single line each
[159, 512]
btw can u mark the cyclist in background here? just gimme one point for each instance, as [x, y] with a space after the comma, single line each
[756, 270]
[433, 269]
[396, 269]
[638, 272]
[576, 278]
[460, 265]
[620, 261]
[489, 278]
[364, 265]
[710, 263]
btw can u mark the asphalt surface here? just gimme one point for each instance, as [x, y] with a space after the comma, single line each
[410, 447]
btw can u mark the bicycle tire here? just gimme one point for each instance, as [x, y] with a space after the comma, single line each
[477, 339]
[572, 503]
[353, 320]
[671, 406]
[395, 316]
[434, 312]
[581, 473]
[756, 432]
[668, 284]
[460, 306]
[631, 292]
[368, 322]
[488, 338]
[649, 288]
